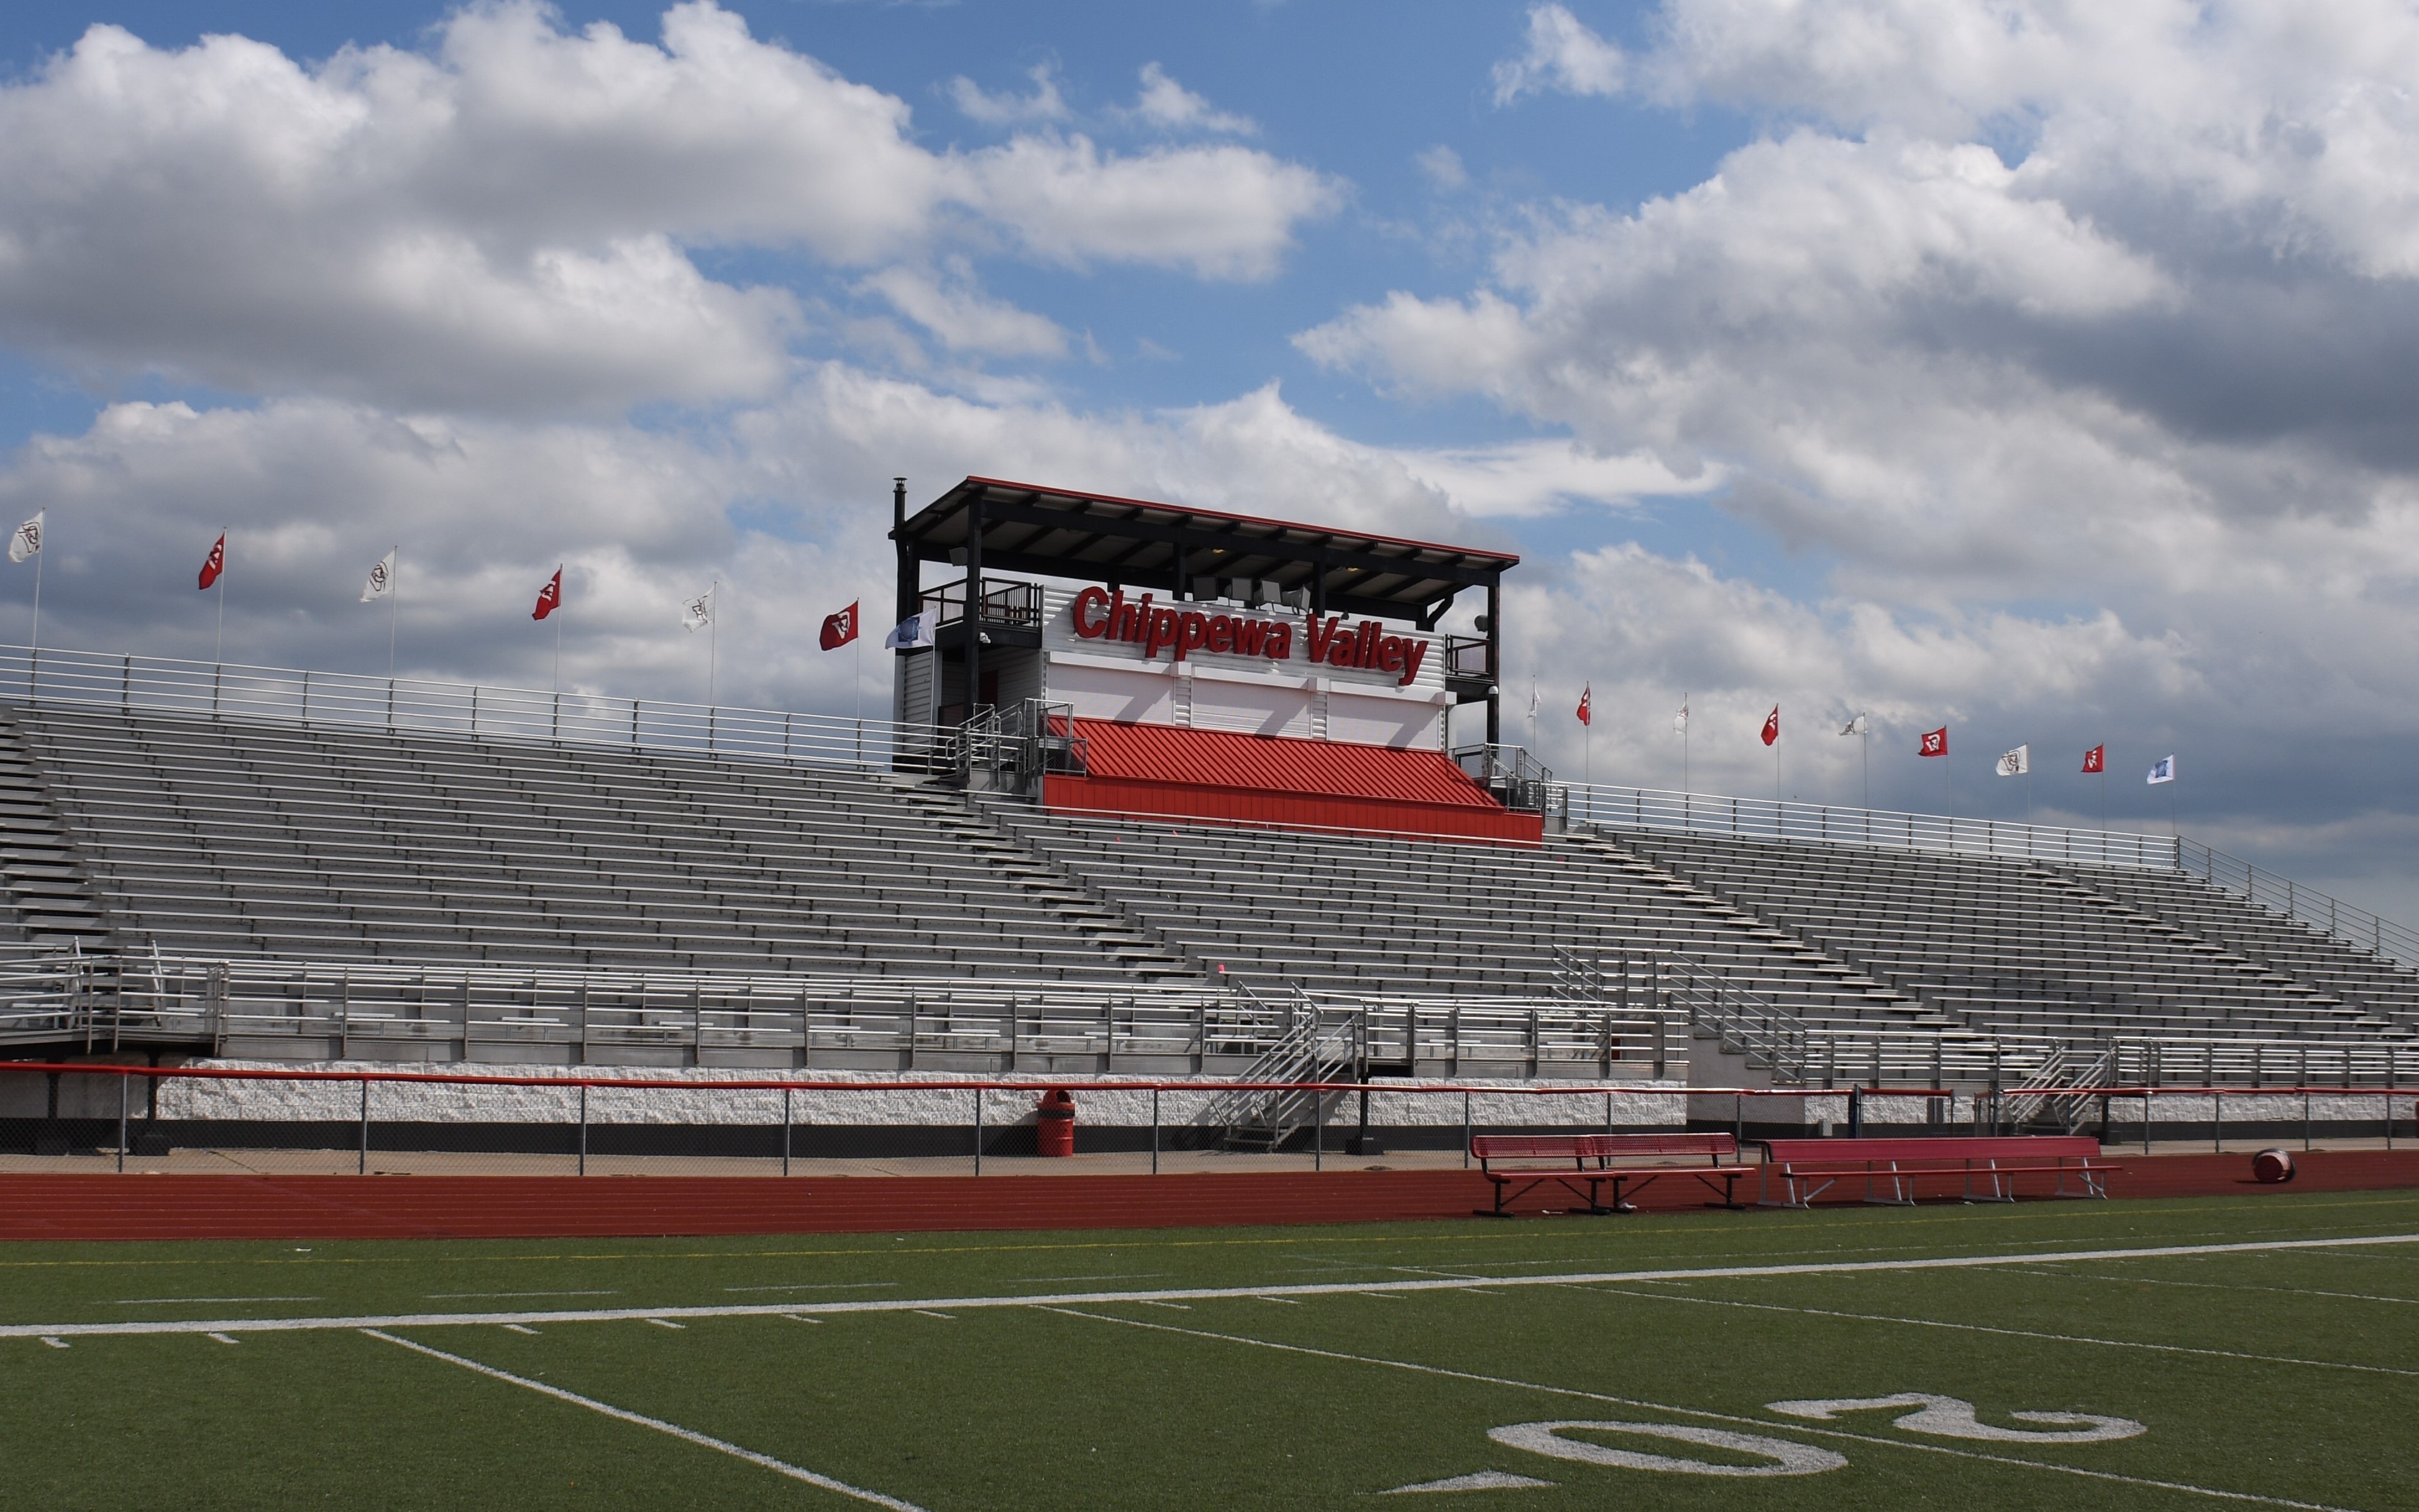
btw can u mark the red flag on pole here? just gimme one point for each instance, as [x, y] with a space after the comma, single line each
[839, 629]
[215, 563]
[550, 598]
[1772, 726]
[2096, 758]
[1935, 743]
[1587, 705]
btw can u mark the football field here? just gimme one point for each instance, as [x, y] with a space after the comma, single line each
[2236, 1351]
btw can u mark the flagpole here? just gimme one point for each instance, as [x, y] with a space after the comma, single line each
[1865, 738]
[218, 654]
[558, 645]
[713, 637]
[394, 605]
[36, 644]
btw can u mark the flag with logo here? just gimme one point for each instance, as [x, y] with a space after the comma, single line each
[1935, 743]
[1856, 726]
[2017, 762]
[1772, 726]
[2096, 759]
[27, 541]
[215, 563]
[550, 598]
[911, 633]
[839, 629]
[698, 613]
[1587, 706]
[1680, 720]
[381, 581]
[2163, 769]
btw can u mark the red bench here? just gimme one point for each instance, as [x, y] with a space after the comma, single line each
[1806, 1168]
[1571, 1161]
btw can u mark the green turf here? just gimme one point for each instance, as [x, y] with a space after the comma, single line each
[2282, 1374]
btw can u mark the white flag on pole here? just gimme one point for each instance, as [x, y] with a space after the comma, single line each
[2163, 769]
[698, 613]
[910, 634]
[1680, 720]
[28, 539]
[2016, 762]
[1856, 726]
[381, 581]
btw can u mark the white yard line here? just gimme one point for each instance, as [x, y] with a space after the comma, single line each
[2228, 1286]
[2007, 1333]
[1764, 1423]
[781, 1467]
[1325, 1289]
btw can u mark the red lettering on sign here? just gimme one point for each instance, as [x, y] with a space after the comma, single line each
[1191, 632]
[1095, 601]
[1097, 614]
[1161, 633]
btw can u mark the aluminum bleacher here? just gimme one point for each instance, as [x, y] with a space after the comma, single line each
[337, 845]
[1350, 913]
[244, 837]
[2010, 946]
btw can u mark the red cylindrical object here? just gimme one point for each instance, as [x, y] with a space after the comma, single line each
[1054, 1128]
[2272, 1165]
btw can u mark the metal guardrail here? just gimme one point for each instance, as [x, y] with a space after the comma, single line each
[1741, 1021]
[280, 1008]
[341, 700]
[1608, 806]
[2331, 917]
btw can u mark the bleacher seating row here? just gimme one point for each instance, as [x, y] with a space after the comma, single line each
[236, 837]
[229, 838]
[2022, 947]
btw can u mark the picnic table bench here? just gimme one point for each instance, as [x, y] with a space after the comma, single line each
[1806, 1168]
[1573, 1161]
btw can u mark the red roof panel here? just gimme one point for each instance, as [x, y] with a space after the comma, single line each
[1272, 764]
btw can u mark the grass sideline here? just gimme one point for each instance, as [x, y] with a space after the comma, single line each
[2261, 1377]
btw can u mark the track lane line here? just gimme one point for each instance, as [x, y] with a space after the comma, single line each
[1327, 1288]
[2007, 1333]
[1764, 1423]
[780, 1467]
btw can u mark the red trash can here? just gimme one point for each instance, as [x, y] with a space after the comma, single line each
[1054, 1128]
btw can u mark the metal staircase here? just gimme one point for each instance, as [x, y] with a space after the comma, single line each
[52, 901]
[2059, 1093]
[978, 825]
[1321, 1043]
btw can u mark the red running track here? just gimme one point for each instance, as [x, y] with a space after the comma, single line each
[38, 1207]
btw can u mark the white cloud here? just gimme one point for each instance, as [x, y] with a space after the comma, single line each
[1540, 477]
[965, 320]
[507, 221]
[1170, 106]
[1044, 104]
[1560, 52]
[1218, 212]
[1443, 167]
[2063, 344]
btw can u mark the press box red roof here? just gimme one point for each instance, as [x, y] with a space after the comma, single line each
[1165, 771]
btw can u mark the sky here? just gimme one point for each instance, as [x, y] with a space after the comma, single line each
[2039, 370]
